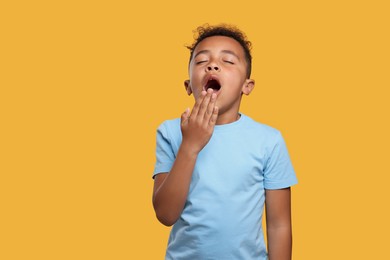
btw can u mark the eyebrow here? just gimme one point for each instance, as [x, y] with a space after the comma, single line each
[223, 51]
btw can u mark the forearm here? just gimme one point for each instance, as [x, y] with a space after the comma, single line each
[171, 195]
[171, 190]
[279, 243]
[279, 230]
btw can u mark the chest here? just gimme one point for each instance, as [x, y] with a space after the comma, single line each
[230, 165]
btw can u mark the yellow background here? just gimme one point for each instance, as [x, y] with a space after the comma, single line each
[84, 85]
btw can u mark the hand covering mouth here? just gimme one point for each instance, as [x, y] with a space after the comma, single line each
[212, 83]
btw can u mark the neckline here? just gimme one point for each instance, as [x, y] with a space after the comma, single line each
[231, 125]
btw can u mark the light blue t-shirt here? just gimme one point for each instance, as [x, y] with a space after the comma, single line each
[222, 217]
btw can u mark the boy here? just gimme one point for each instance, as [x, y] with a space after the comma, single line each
[216, 168]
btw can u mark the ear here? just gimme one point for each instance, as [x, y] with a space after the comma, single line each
[187, 85]
[248, 86]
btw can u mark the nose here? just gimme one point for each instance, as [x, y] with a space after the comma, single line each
[213, 67]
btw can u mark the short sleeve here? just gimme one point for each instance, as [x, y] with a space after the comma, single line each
[164, 152]
[279, 172]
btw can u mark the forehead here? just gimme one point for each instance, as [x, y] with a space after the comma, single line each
[220, 43]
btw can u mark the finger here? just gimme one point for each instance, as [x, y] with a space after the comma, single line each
[197, 105]
[210, 107]
[214, 116]
[204, 105]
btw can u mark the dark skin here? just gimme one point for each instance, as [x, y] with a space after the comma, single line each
[171, 190]
[211, 108]
[278, 219]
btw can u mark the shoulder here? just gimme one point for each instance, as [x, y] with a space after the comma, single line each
[170, 127]
[170, 123]
[260, 129]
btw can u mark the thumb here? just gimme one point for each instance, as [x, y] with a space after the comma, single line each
[185, 115]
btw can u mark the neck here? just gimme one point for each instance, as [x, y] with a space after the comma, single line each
[226, 118]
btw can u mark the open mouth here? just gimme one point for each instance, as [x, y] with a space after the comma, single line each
[213, 84]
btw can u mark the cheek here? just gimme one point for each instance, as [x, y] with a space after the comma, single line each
[196, 93]
[196, 86]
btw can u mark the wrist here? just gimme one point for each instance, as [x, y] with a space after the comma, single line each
[189, 149]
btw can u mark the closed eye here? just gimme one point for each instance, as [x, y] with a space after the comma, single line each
[227, 61]
[200, 62]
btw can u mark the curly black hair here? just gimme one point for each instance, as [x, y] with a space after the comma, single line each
[205, 31]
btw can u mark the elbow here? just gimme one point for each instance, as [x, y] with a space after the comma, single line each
[165, 220]
[165, 216]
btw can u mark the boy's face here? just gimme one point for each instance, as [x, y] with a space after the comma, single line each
[218, 62]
